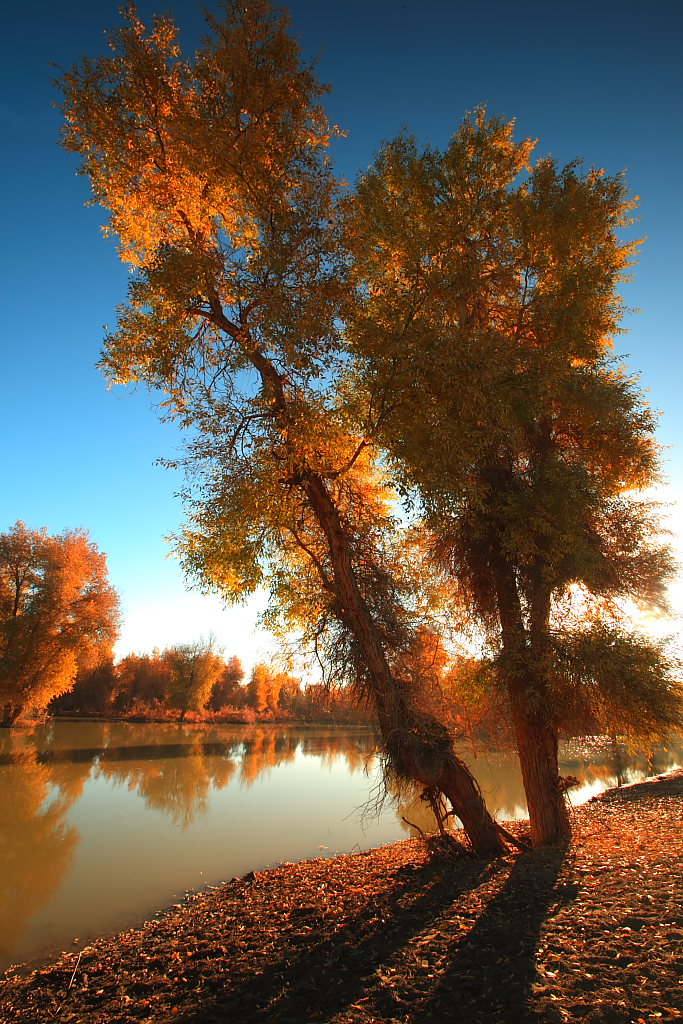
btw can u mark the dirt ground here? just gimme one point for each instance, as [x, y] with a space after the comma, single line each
[407, 933]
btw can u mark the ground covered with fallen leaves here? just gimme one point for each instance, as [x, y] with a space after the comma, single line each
[407, 933]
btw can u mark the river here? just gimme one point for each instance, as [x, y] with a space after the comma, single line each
[102, 824]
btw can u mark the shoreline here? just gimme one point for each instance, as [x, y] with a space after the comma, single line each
[404, 932]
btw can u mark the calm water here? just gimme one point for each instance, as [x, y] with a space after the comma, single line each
[101, 824]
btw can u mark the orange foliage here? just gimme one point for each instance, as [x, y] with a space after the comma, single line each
[58, 613]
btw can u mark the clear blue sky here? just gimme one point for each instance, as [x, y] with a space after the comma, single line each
[601, 81]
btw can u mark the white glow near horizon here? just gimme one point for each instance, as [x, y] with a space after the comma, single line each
[186, 617]
[182, 616]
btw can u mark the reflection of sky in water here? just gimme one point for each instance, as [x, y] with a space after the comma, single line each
[103, 824]
[590, 788]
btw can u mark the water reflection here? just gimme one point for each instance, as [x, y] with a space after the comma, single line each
[104, 822]
[177, 785]
[263, 751]
[37, 844]
[597, 762]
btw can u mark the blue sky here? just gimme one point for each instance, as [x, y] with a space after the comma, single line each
[600, 81]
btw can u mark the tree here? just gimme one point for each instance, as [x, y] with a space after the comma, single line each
[290, 693]
[487, 303]
[228, 691]
[194, 671]
[58, 614]
[215, 175]
[272, 690]
[263, 689]
[142, 679]
[91, 694]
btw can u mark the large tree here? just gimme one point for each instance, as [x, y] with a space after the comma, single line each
[215, 175]
[487, 305]
[58, 613]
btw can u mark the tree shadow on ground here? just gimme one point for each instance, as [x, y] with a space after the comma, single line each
[320, 980]
[410, 955]
[490, 975]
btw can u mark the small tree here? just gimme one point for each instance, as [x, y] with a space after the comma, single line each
[263, 689]
[290, 692]
[58, 613]
[227, 690]
[194, 670]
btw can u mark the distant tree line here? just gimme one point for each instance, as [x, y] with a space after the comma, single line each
[59, 619]
[192, 682]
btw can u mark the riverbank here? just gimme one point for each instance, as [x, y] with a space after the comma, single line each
[407, 934]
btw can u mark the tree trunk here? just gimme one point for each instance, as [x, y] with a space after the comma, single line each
[537, 743]
[419, 746]
[535, 732]
[460, 788]
[9, 713]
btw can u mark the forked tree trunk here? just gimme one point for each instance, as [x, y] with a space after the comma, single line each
[537, 744]
[532, 716]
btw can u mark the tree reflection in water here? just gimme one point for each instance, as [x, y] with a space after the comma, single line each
[172, 769]
[37, 845]
[264, 749]
[178, 782]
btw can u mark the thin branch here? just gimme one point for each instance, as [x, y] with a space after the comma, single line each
[313, 557]
[510, 838]
[417, 827]
[349, 465]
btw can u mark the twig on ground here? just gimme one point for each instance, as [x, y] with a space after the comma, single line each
[74, 970]
[512, 839]
[68, 987]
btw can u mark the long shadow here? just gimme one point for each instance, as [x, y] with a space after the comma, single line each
[491, 972]
[487, 976]
[320, 979]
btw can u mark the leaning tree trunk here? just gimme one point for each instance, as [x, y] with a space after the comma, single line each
[424, 753]
[419, 746]
[9, 713]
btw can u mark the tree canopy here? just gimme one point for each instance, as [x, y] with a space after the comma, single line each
[195, 670]
[58, 613]
[215, 176]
